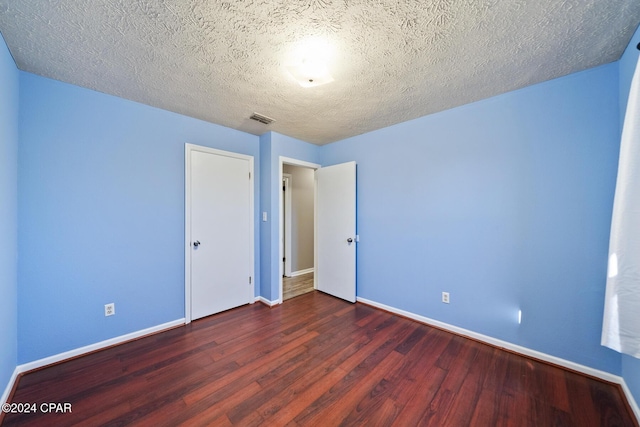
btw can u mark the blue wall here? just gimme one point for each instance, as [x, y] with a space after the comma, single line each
[101, 211]
[265, 227]
[9, 101]
[504, 203]
[272, 146]
[630, 365]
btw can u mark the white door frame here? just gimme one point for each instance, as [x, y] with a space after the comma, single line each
[287, 179]
[295, 162]
[188, 148]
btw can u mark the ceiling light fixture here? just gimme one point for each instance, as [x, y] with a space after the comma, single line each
[309, 63]
[310, 72]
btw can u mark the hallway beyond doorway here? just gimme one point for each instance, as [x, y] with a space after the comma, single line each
[298, 285]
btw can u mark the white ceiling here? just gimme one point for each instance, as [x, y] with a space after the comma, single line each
[392, 61]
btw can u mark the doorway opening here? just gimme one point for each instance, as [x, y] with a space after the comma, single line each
[296, 286]
[297, 227]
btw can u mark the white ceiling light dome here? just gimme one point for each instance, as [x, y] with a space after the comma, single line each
[309, 62]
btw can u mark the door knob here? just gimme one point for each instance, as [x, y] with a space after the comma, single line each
[349, 240]
[196, 243]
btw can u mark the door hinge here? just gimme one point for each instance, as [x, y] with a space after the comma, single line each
[283, 259]
[249, 279]
[249, 175]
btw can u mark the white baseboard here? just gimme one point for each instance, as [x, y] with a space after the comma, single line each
[267, 302]
[9, 387]
[301, 272]
[26, 367]
[97, 346]
[631, 399]
[457, 330]
[606, 376]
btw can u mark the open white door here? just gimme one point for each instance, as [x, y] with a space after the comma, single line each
[336, 230]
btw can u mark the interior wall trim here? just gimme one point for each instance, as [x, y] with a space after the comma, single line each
[266, 301]
[567, 364]
[630, 399]
[301, 272]
[8, 390]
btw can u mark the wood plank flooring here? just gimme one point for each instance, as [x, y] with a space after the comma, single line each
[314, 360]
[295, 286]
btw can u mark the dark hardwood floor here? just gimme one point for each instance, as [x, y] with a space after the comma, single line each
[314, 360]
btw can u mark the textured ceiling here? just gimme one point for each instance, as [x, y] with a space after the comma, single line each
[391, 61]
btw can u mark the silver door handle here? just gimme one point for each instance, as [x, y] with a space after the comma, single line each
[196, 243]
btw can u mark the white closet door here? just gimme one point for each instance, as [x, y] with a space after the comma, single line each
[221, 237]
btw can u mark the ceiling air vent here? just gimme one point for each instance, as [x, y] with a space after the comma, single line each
[262, 119]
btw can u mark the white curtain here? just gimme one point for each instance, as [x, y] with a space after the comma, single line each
[621, 326]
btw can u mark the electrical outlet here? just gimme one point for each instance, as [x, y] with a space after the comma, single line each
[110, 309]
[445, 297]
